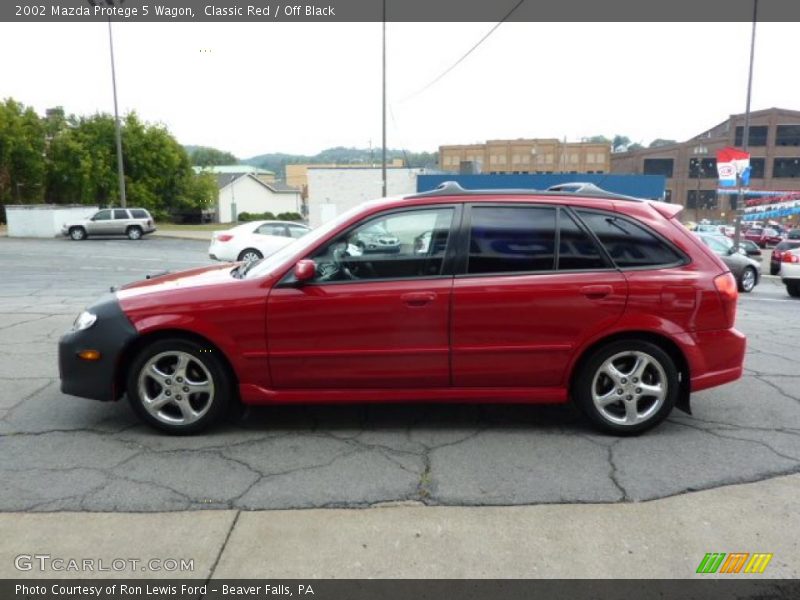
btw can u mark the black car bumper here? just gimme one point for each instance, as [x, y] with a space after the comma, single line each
[109, 335]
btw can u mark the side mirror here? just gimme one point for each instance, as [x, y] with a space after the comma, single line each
[305, 270]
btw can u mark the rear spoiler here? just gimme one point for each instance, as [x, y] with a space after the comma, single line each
[668, 210]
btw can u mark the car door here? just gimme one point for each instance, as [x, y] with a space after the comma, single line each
[533, 286]
[100, 223]
[120, 222]
[368, 320]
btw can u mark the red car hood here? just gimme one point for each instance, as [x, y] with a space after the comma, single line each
[193, 278]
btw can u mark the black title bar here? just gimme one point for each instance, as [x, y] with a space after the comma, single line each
[269, 11]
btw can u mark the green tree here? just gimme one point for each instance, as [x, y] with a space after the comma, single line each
[657, 143]
[599, 139]
[203, 156]
[620, 143]
[22, 149]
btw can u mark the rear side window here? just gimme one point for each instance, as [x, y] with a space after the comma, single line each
[628, 244]
[509, 240]
[138, 213]
[576, 250]
[120, 214]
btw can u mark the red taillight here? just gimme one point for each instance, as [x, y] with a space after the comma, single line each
[224, 237]
[728, 293]
[790, 257]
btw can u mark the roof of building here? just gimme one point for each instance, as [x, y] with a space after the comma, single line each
[278, 187]
[232, 169]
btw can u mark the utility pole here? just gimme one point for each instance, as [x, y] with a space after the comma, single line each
[120, 169]
[383, 161]
[737, 226]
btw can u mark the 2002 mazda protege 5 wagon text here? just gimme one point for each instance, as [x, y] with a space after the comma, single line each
[492, 296]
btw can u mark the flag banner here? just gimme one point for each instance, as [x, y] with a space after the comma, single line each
[732, 162]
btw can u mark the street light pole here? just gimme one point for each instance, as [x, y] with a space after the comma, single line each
[737, 224]
[383, 161]
[120, 168]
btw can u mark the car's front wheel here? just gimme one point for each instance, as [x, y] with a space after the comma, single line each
[627, 387]
[748, 280]
[179, 386]
[77, 233]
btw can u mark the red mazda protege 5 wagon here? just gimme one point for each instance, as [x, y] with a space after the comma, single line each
[465, 296]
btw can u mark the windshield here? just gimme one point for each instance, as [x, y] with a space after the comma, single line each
[268, 264]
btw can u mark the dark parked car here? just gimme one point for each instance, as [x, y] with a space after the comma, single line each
[751, 249]
[509, 296]
[763, 236]
[777, 254]
[746, 270]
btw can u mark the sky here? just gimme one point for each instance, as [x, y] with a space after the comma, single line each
[254, 88]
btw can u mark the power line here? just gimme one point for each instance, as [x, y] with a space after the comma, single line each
[467, 53]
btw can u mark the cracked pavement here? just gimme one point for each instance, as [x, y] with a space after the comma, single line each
[60, 453]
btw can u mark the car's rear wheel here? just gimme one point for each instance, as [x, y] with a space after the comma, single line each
[774, 270]
[179, 386]
[77, 233]
[134, 233]
[627, 387]
[250, 254]
[793, 288]
[748, 279]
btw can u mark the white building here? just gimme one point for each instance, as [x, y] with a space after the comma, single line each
[248, 193]
[333, 190]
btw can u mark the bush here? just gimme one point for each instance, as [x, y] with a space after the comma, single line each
[245, 216]
[290, 216]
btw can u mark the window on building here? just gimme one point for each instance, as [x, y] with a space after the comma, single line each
[757, 136]
[628, 244]
[757, 168]
[707, 200]
[658, 166]
[787, 135]
[786, 167]
[667, 195]
[705, 168]
[508, 240]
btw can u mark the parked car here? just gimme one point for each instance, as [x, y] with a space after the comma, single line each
[254, 240]
[708, 228]
[777, 254]
[534, 297]
[793, 234]
[763, 236]
[751, 249]
[131, 222]
[746, 270]
[790, 271]
[376, 239]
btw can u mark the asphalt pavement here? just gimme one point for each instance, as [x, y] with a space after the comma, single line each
[61, 453]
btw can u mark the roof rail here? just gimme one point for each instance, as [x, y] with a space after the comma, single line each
[453, 188]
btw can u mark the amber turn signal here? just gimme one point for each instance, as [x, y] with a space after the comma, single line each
[89, 354]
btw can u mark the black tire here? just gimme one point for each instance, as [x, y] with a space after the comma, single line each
[134, 232]
[793, 288]
[252, 252]
[592, 373]
[209, 407]
[748, 280]
[773, 270]
[77, 233]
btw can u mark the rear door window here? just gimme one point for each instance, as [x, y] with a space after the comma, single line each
[628, 244]
[511, 239]
[576, 249]
[120, 213]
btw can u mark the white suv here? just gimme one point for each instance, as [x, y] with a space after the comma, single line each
[131, 222]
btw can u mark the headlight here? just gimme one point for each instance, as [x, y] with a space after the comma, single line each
[84, 321]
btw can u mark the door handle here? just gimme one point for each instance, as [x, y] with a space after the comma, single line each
[418, 298]
[596, 292]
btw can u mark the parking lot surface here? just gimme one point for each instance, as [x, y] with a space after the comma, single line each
[64, 453]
